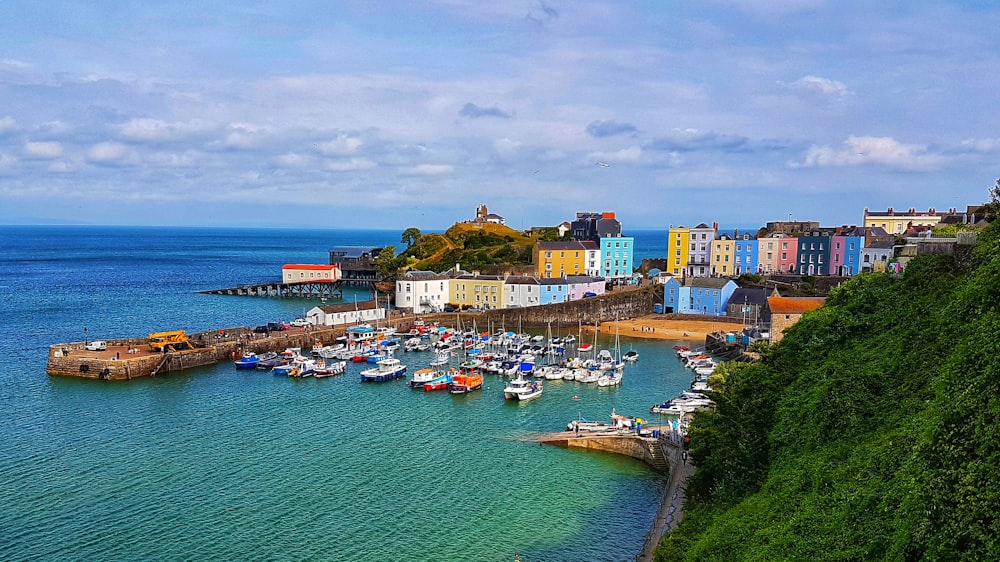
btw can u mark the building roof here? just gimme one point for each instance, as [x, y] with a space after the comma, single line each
[476, 277]
[751, 295]
[348, 307]
[420, 275]
[310, 266]
[708, 282]
[521, 280]
[571, 245]
[881, 244]
[794, 305]
[552, 281]
[578, 279]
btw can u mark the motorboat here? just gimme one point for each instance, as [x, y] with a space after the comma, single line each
[423, 376]
[441, 382]
[465, 382]
[522, 389]
[329, 368]
[631, 356]
[249, 360]
[385, 370]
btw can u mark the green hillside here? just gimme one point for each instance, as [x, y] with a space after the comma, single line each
[474, 247]
[871, 432]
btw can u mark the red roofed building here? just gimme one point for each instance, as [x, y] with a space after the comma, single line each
[786, 311]
[304, 273]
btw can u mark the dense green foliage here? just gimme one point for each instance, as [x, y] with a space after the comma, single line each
[870, 432]
[474, 248]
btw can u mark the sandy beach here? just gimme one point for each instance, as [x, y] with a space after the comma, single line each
[656, 326]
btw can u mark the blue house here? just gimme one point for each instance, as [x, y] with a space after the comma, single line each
[814, 253]
[553, 290]
[745, 255]
[698, 295]
[616, 257]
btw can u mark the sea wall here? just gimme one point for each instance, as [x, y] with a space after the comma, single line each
[645, 449]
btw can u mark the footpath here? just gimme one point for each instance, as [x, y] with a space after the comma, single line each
[671, 509]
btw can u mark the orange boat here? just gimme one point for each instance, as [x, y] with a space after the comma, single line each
[465, 382]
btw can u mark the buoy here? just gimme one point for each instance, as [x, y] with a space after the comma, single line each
[575, 397]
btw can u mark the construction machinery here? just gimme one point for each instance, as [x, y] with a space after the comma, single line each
[169, 341]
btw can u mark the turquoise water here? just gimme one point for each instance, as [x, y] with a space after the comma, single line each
[219, 464]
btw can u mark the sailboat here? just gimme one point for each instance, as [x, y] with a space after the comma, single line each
[613, 373]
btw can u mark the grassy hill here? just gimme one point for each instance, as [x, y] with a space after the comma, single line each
[474, 247]
[871, 432]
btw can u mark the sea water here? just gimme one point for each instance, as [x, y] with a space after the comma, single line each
[218, 464]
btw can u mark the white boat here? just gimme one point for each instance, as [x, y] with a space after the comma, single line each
[424, 376]
[631, 356]
[610, 377]
[441, 358]
[329, 368]
[385, 370]
[302, 367]
[522, 389]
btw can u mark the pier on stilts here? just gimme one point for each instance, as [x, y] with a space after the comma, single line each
[317, 289]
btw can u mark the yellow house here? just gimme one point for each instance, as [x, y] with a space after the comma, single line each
[678, 240]
[477, 291]
[560, 259]
[896, 222]
[724, 256]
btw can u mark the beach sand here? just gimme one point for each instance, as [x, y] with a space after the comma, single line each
[656, 326]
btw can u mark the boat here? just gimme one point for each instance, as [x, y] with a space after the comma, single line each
[385, 370]
[585, 347]
[441, 358]
[329, 368]
[302, 367]
[611, 377]
[248, 361]
[522, 389]
[441, 382]
[423, 376]
[631, 356]
[465, 382]
[269, 361]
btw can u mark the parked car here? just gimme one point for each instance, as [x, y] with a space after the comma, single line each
[449, 309]
[299, 322]
[261, 330]
[275, 326]
[97, 345]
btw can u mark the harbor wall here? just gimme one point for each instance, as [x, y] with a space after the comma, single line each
[645, 449]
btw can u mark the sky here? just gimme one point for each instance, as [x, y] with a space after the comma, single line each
[396, 114]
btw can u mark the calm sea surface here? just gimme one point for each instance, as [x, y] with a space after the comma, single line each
[216, 464]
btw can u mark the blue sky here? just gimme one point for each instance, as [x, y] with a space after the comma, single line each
[395, 114]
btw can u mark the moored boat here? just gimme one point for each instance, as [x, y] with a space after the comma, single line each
[465, 382]
[423, 376]
[441, 382]
[385, 370]
[522, 389]
[249, 360]
[329, 368]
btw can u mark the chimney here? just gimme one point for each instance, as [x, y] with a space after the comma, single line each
[715, 226]
[890, 210]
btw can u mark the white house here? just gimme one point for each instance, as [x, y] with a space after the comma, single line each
[521, 291]
[422, 291]
[347, 313]
[302, 272]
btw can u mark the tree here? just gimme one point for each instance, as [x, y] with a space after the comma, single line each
[410, 236]
[991, 210]
[388, 264]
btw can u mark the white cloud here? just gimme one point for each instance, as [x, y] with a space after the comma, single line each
[981, 145]
[630, 154]
[431, 169]
[7, 124]
[293, 160]
[886, 151]
[340, 146]
[245, 135]
[107, 152]
[43, 150]
[824, 86]
[155, 130]
[507, 147]
[14, 63]
[350, 165]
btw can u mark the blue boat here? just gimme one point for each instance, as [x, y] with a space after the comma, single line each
[248, 361]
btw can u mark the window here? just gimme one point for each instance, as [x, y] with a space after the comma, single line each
[548, 255]
[784, 256]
